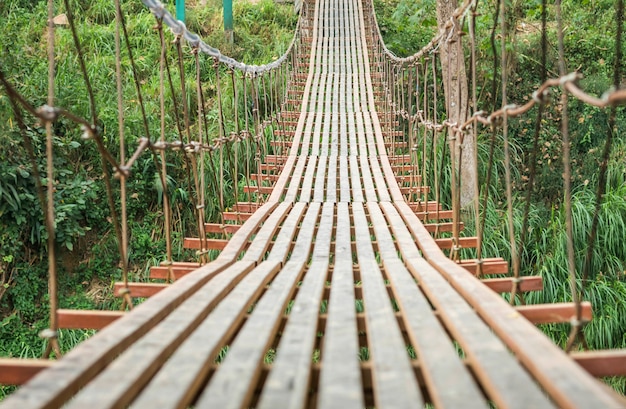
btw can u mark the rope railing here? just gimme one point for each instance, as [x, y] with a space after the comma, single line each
[179, 29]
[263, 89]
[415, 103]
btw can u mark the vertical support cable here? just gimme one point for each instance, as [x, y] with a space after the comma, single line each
[51, 334]
[507, 159]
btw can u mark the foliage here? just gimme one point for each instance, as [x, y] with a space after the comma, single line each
[590, 50]
[406, 25]
[87, 249]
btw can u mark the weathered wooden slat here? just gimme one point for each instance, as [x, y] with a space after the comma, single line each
[307, 184]
[288, 382]
[320, 179]
[340, 378]
[565, 382]
[161, 272]
[442, 227]
[394, 381]
[487, 265]
[55, 386]
[208, 244]
[435, 349]
[505, 285]
[494, 366]
[553, 313]
[463, 242]
[87, 319]
[261, 190]
[221, 228]
[233, 384]
[179, 380]
[600, 363]
[237, 216]
[17, 371]
[138, 290]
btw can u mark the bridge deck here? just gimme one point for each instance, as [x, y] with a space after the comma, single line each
[332, 294]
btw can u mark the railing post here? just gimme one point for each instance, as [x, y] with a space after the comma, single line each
[180, 10]
[228, 20]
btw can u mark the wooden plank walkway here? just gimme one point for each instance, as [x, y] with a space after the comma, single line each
[332, 294]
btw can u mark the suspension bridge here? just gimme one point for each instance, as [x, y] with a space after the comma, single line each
[343, 210]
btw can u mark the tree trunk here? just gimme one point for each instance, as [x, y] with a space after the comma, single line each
[456, 98]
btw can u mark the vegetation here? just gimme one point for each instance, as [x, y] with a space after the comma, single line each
[590, 50]
[87, 246]
[85, 242]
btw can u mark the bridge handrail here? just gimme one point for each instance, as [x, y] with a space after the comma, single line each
[432, 45]
[180, 29]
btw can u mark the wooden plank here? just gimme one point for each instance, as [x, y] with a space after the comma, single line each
[178, 325]
[138, 363]
[86, 319]
[344, 184]
[307, 183]
[294, 181]
[602, 363]
[180, 379]
[442, 227]
[161, 272]
[340, 378]
[463, 242]
[368, 182]
[394, 381]
[504, 285]
[320, 180]
[437, 354]
[493, 364]
[138, 290]
[221, 228]
[287, 385]
[236, 216]
[565, 382]
[554, 313]
[246, 207]
[18, 371]
[262, 240]
[488, 266]
[381, 185]
[260, 190]
[233, 384]
[209, 244]
[53, 387]
[355, 180]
